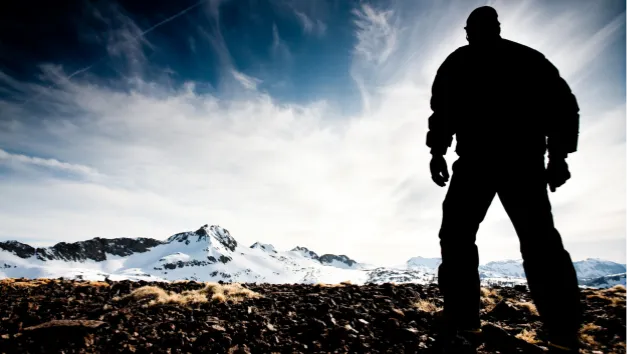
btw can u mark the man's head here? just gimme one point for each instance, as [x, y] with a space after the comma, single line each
[483, 26]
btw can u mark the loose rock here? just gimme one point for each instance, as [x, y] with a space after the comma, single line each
[79, 317]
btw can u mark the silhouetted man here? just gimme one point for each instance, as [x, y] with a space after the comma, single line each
[507, 105]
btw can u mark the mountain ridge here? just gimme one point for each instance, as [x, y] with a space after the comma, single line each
[212, 253]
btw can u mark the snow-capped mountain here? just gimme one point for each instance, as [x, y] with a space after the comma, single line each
[211, 253]
[304, 252]
[509, 268]
[587, 269]
[207, 254]
[425, 263]
[341, 261]
[400, 275]
[596, 268]
[606, 281]
[264, 247]
[94, 249]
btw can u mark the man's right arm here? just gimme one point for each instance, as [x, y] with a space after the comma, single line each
[563, 113]
[439, 137]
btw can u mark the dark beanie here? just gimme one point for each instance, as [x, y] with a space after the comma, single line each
[484, 16]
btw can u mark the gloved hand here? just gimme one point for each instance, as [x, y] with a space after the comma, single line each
[439, 170]
[557, 173]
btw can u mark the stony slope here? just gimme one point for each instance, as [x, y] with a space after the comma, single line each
[83, 317]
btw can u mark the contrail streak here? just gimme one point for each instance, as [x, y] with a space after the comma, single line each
[141, 35]
[104, 57]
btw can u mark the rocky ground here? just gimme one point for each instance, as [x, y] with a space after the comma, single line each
[56, 316]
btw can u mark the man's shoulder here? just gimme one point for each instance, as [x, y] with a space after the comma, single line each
[460, 51]
[522, 50]
[457, 55]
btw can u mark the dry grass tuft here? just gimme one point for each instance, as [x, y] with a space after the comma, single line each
[591, 327]
[529, 306]
[619, 301]
[484, 292]
[426, 306]
[211, 292]
[621, 347]
[528, 336]
[158, 294]
[488, 303]
[489, 298]
[599, 296]
[617, 289]
[43, 281]
[237, 350]
[95, 283]
[324, 285]
[347, 282]
[588, 339]
[20, 282]
[234, 292]
[614, 296]
[490, 293]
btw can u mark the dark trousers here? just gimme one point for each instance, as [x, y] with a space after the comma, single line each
[521, 186]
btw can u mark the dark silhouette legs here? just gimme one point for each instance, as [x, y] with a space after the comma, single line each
[469, 196]
[549, 270]
[521, 187]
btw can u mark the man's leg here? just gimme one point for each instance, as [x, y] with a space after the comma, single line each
[469, 196]
[549, 270]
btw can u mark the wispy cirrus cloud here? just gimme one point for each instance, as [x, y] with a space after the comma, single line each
[310, 15]
[280, 48]
[311, 26]
[248, 82]
[54, 164]
[377, 35]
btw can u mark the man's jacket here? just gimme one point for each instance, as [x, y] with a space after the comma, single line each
[504, 100]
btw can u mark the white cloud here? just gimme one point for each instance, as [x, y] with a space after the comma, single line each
[311, 15]
[8, 158]
[304, 175]
[280, 48]
[309, 25]
[248, 82]
[124, 39]
[376, 35]
[568, 39]
[376, 40]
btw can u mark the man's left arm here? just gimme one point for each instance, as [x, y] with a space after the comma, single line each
[563, 114]
[563, 124]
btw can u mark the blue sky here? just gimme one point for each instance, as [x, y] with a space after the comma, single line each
[288, 122]
[301, 51]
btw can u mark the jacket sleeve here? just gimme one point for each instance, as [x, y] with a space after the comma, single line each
[439, 137]
[562, 113]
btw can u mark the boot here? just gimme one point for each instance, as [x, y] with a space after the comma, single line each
[456, 344]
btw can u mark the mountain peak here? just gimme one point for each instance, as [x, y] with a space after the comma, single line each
[95, 249]
[20, 249]
[303, 251]
[197, 236]
[421, 262]
[595, 260]
[223, 236]
[264, 246]
[206, 233]
[342, 260]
